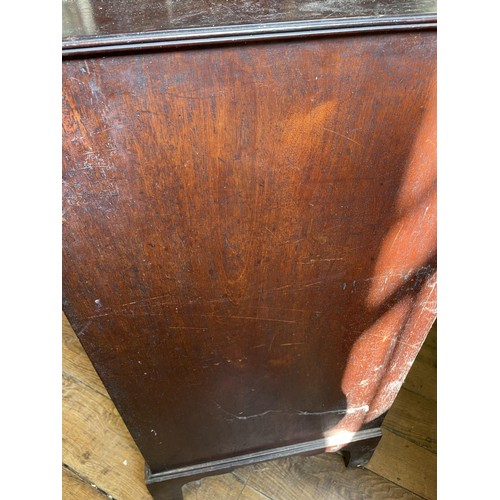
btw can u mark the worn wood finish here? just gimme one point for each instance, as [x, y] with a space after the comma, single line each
[249, 241]
[249, 248]
[216, 204]
[321, 477]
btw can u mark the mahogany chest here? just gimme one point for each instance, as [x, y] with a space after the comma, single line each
[249, 232]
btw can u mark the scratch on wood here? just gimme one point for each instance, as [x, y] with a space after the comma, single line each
[100, 315]
[344, 136]
[395, 339]
[396, 237]
[258, 319]
[213, 94]
[279, 288]
[84, 329]
[186, 328]
[271, 343]
[310, 261]
[76, 80]
[240, 416]
[292, 241]
[312, 284]
[144, 300]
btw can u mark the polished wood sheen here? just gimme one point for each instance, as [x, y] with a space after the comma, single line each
[249, 242]
[94, 19]
[124, 25]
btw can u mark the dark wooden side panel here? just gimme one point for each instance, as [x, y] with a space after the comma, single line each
[249, 236]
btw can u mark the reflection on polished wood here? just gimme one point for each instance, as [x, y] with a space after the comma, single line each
[89, 20]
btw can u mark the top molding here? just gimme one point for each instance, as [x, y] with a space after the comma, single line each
[109, 26]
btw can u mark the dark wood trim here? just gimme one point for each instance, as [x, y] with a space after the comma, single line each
[228, 464]
[168, 490]
[246, 33]
[167, 485]
[359, 453]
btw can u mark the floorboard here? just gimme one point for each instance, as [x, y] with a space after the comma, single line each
[76, 488]
[406, 464]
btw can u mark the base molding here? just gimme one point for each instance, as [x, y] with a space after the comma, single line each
[357, 446]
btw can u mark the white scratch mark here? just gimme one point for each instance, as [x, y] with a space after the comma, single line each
[99, 315]
[312, 284]
[271, 344]
[256, 318]
[84, 329]
[186, 328]
[310, 261]
[76, 80]
[396, 237]
[344, 136]
[364, 408]
[279, 288]
[293, 241]
[150, 299]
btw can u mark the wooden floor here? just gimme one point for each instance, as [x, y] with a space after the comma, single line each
[101, 460]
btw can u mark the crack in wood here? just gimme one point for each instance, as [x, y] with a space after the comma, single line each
[87, 481]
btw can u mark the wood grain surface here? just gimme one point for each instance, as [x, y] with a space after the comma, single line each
[249, 236]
